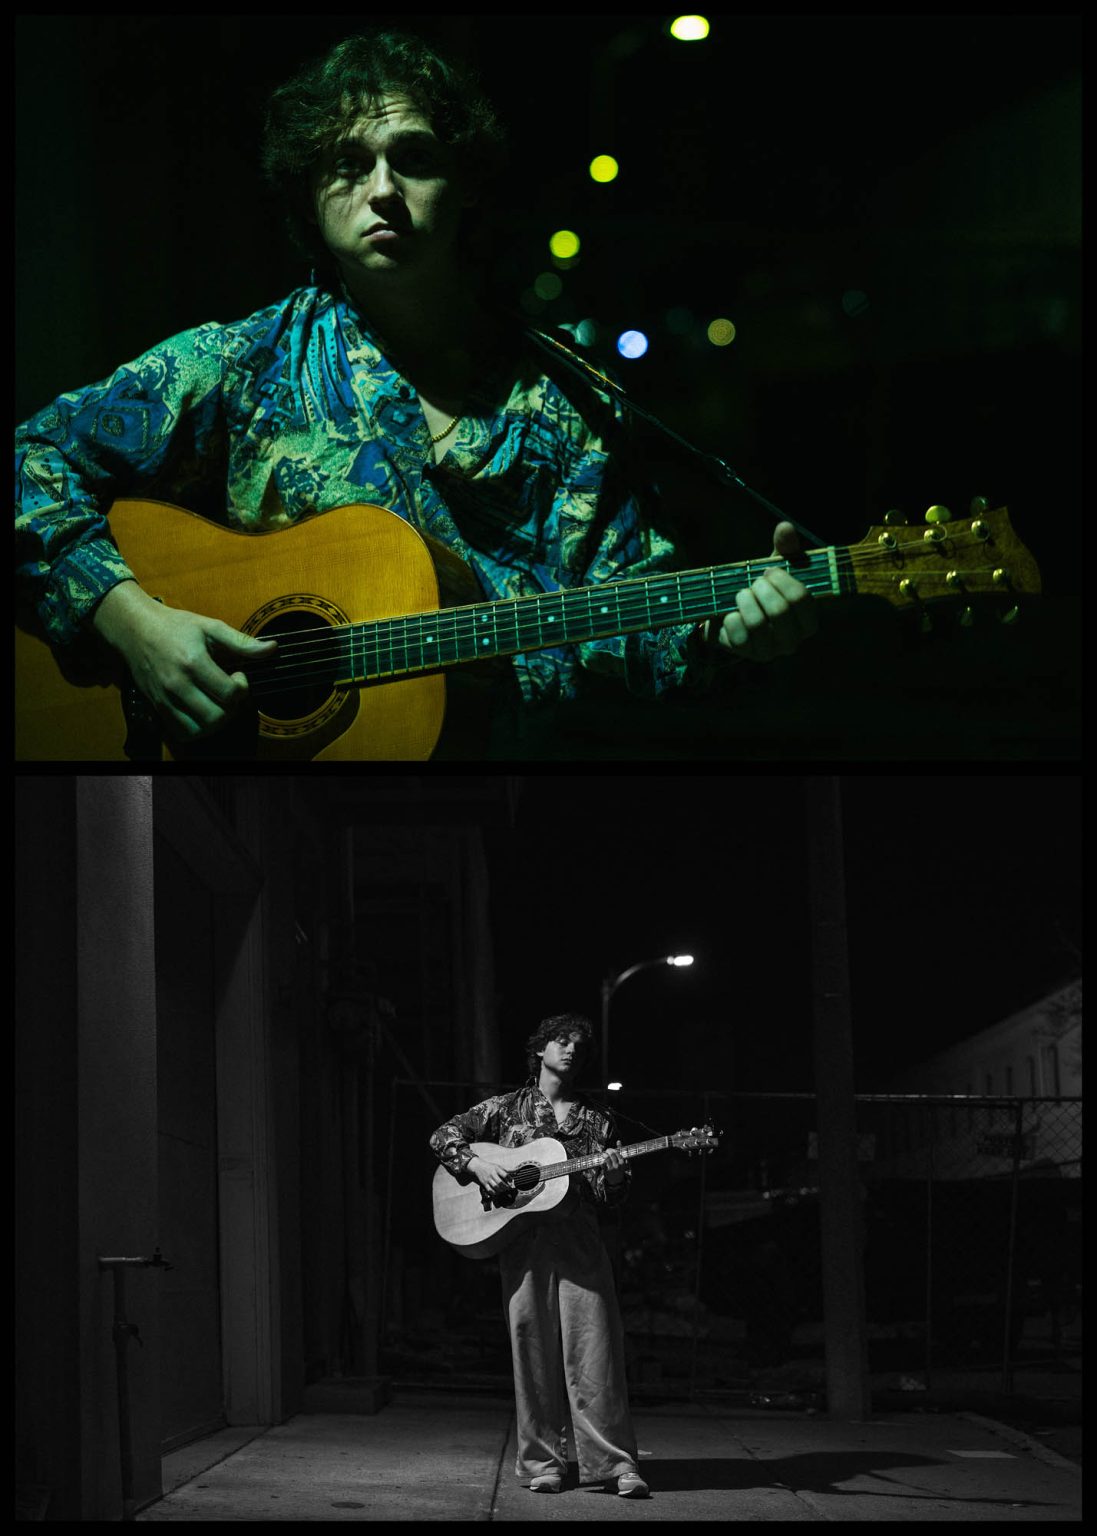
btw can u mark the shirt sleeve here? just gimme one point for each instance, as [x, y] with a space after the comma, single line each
[156, 424]
[450, 1142]
[604, 1135]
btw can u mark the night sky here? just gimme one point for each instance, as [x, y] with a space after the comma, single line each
[963, 897]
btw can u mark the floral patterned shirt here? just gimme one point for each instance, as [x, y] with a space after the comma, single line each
[296, 409]
[513, 1119]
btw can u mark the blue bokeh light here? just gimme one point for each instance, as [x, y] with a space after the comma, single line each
[632, 344]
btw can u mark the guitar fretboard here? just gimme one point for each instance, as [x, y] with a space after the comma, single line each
[447, 637]
[596, 1159]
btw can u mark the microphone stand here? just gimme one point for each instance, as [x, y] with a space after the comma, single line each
[722, 471]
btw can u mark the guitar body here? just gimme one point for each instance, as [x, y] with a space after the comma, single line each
[459, 1213]
[348, 565]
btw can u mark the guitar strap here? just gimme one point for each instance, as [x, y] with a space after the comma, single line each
[721, 470]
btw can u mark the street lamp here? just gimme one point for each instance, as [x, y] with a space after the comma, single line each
[609, 987]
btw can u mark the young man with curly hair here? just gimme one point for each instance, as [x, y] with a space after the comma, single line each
[394, 377]
[558, 1289]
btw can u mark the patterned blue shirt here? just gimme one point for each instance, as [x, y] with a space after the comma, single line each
[296, 409]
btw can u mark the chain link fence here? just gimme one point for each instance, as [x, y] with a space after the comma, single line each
[971, 1227]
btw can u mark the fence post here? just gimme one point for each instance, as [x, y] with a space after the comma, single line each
[700, 1261]
[930, 1169]
[841, 1215]
[1007, 1364]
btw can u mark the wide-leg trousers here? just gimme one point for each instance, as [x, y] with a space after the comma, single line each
[566, 1334]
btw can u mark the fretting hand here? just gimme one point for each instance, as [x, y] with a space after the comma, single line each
[773, 616]
[614, 1166]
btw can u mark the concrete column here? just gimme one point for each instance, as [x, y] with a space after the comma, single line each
[47, 1283]
[116, 1134]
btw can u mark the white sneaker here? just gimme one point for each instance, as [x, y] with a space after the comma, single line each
[549, 1482]
[630, 1485]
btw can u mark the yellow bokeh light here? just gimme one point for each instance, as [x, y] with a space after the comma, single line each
[603, 168]
[689, 29]
[721, 333]
[564, 243]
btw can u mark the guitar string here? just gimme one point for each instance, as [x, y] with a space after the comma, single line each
[633, 606]
[331, 645]
[636, 591]
[327, 652]
[635, 587]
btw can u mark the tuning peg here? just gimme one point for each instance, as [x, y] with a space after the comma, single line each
[967, 617]
[894, 518]
[1011, 615]
[979, 504]
[936, 514]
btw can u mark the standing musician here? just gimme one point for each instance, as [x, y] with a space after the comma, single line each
[558, 1290]
[392, 378]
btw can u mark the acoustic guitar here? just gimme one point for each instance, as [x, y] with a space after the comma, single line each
[477, 1226]
[362, 607]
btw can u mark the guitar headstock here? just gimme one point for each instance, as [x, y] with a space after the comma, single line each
[948, 559]
[699, 1139]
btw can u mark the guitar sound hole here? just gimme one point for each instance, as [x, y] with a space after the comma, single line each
[307, 668]
[527, 1176]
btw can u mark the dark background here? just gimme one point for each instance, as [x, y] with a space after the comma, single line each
[963, 902]
[887, 207]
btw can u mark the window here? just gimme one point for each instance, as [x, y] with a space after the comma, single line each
[1050, 1064]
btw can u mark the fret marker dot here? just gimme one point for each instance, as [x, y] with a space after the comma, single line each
[485, 641]
[662, 599]
[604, 608]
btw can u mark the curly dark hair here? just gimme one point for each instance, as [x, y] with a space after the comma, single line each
[550, 1028]
[308, 115]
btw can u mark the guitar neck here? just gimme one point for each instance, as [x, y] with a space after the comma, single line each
[423, 642]
[596, 1159]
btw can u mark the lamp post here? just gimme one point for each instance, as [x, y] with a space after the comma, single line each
[609, 987]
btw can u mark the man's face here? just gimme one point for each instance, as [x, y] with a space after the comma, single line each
[565, 1054]
[387, 199]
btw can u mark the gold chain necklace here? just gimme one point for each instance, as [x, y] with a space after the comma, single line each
[437, 438]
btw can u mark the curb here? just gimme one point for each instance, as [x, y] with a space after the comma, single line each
[1025, 1442]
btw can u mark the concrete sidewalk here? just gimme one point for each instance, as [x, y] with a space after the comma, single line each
[435, 1457]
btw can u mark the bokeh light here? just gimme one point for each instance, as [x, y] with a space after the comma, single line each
[564, 243]
[604, 168]
[632, 344]
[679, 320]
[689, 29]
[721, 332]
[548, 286]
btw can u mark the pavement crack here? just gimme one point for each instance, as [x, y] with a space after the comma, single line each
[486, 1510]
